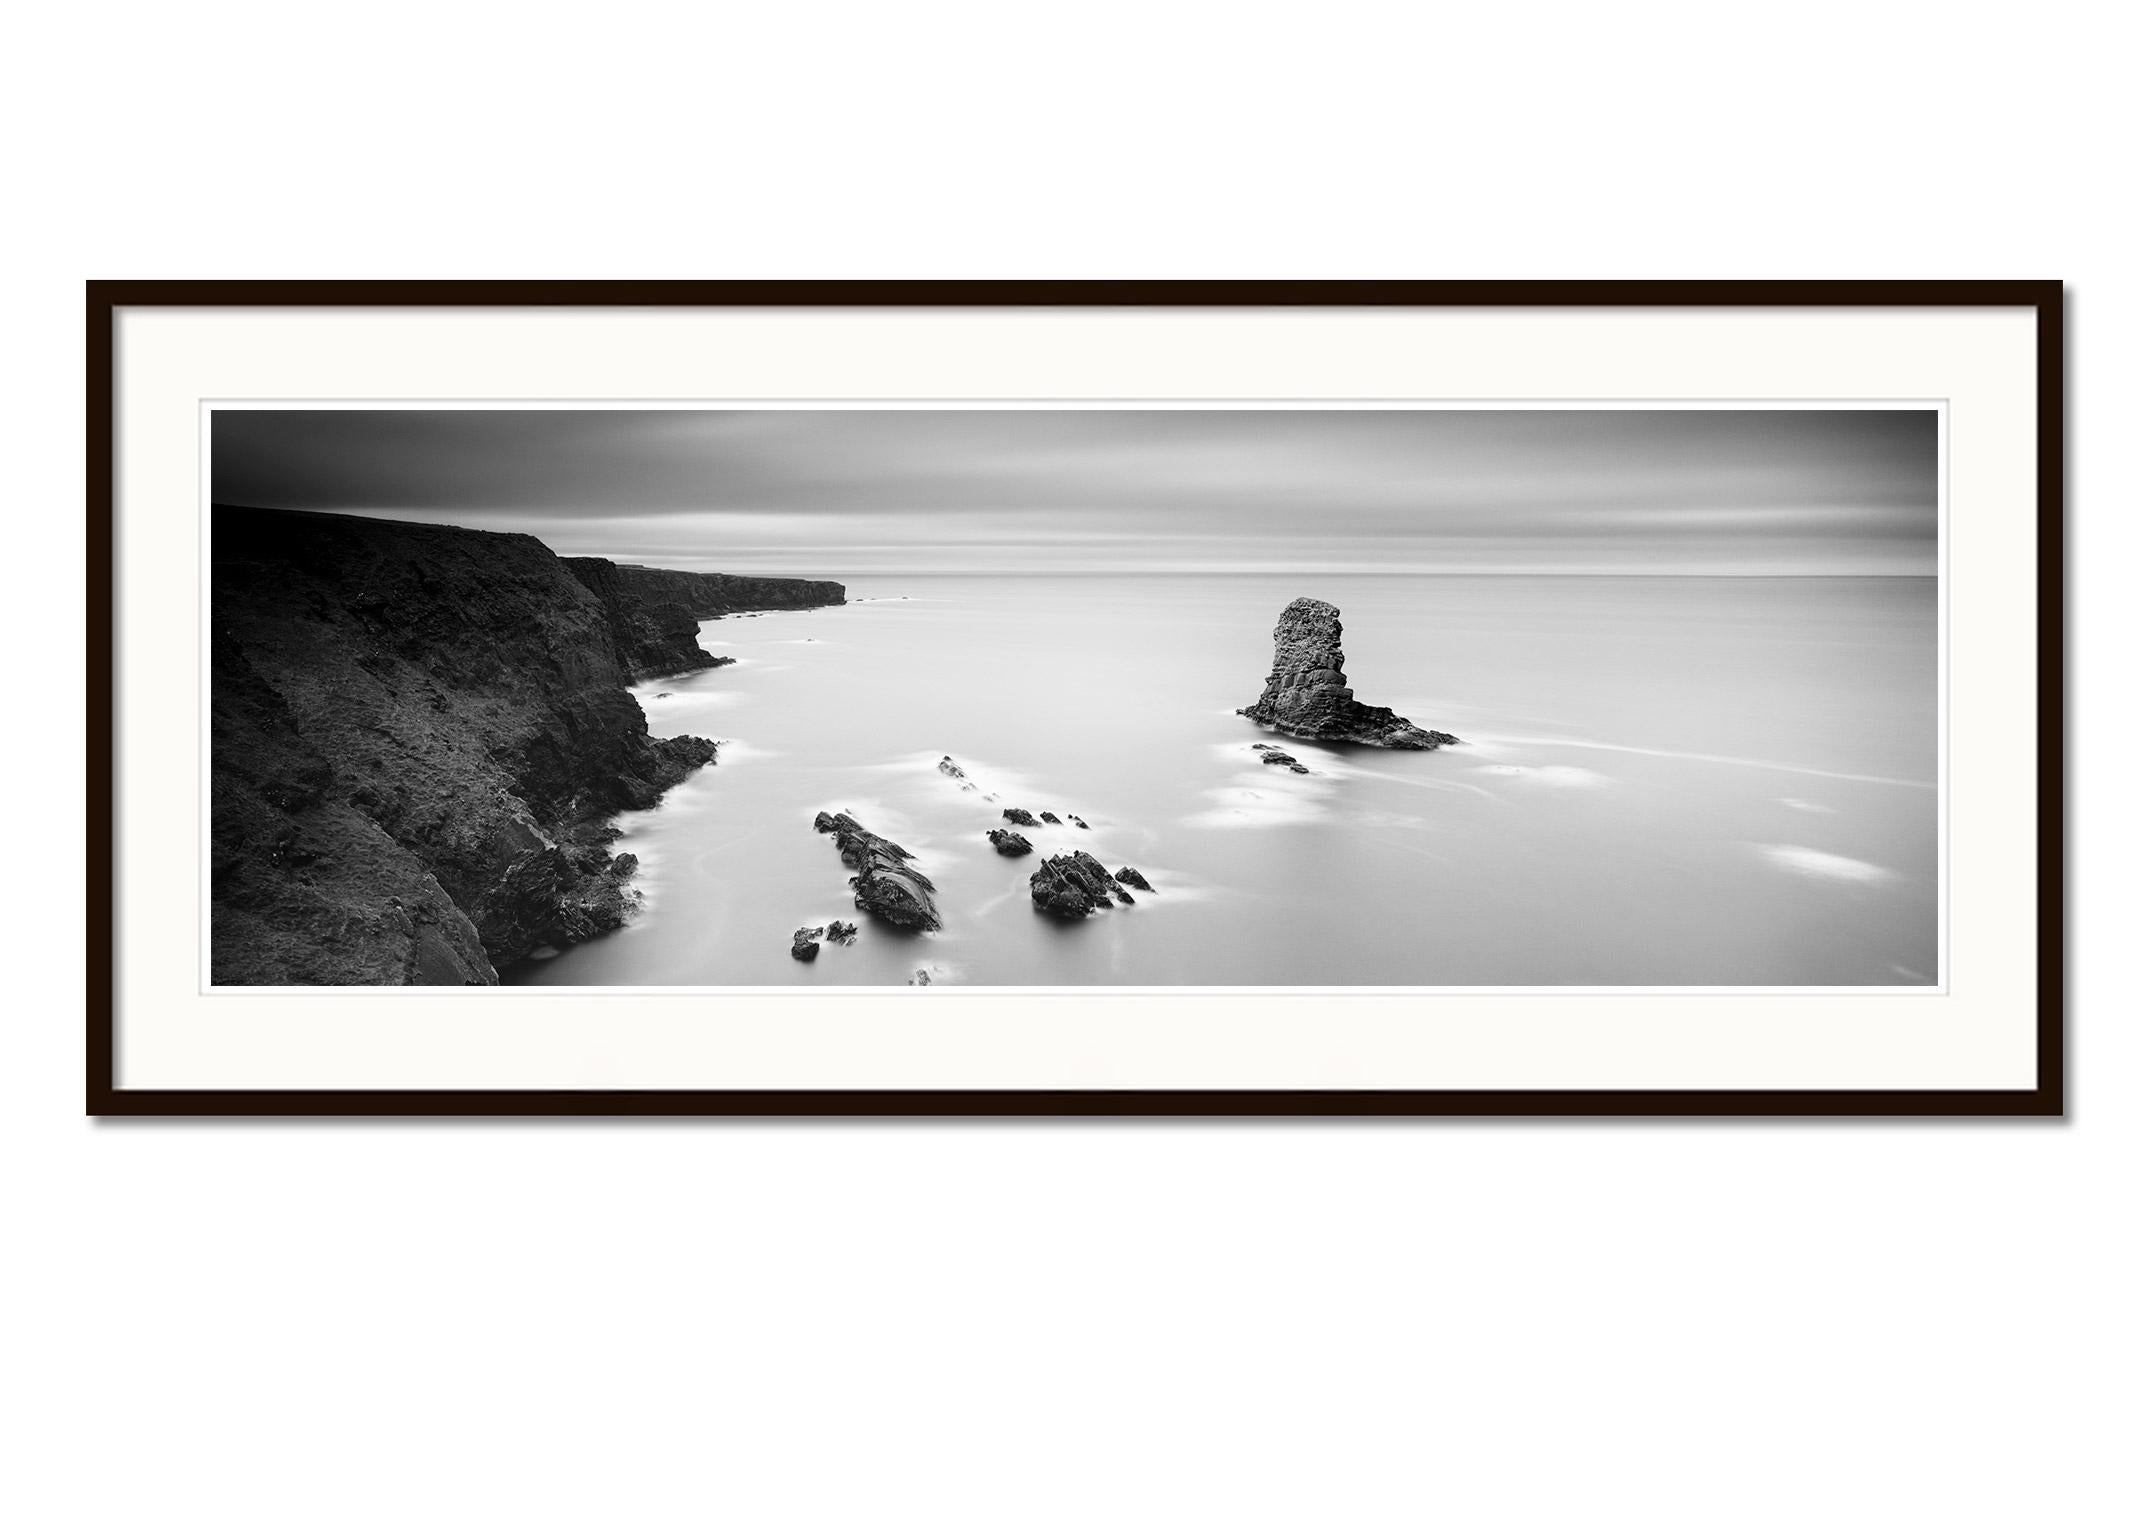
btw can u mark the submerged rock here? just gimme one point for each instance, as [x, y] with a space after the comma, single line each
[1017, 815]
[1276, 756]
[805, 944]
[885, 885]
[1078, 822]
[921, 978]
[1070, 885]
[1008, 841]
[1133, 878]
[950, 767]
[1307, 694]
[841, 933]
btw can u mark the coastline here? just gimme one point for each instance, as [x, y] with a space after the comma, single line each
[419, 733]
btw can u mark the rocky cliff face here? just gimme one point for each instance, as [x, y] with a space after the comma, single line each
[417, 734]
[707, 594]
[658, 614]
[654, 637]
[1308, 696]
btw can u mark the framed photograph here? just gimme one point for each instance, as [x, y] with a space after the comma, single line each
[1075, 698]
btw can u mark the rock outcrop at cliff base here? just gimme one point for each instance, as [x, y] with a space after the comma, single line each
[1308, 696]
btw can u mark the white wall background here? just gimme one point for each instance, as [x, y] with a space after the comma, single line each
[1751, 1329]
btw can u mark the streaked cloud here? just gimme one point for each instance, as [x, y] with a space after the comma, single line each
[843, 492]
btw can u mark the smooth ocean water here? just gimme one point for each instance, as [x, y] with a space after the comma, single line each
[1666, 781]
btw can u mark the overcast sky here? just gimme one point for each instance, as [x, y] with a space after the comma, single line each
[851, 493]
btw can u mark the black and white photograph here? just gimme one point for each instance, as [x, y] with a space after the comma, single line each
[1133, 773]
[1075, 696]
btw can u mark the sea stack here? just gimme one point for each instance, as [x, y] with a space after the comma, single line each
[1308, 696]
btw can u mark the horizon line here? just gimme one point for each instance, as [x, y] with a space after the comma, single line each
[1765, 576]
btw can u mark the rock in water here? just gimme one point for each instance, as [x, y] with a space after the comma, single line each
[1132, 877]
[1016, 814]
[1308, 696]
[885, 885]
[1047, 817]
[1070, 885]
[805, 944]
[1008, 841]
[840, 933]
[950, 767]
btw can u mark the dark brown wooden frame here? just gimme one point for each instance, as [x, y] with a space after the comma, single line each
[2045, 298]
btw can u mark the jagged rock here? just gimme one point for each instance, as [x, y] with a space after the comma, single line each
[1017, 815]
[841, 933]
[1133, 878]
[885, 885]
[1308, 696]
[1078, 822]
[921, 978]
[1070, 885]
[950, 767]
[1008, 841]
[1050, 817]
[805, 944]
[1280, 758]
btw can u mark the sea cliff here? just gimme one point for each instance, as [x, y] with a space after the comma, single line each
[417, 735]
[709, 594]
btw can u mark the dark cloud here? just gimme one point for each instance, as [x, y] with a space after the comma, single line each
[834, 490]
